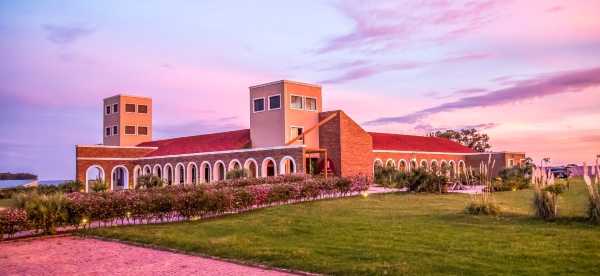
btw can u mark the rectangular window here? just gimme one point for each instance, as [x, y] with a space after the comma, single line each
[274, 102]
[129, 107]
[297, 131]
[115, 108]
[130, 130]
[311, 104]
[107, 109]
[259, 105]
[511, 163]
[297, 102]
[142, 108]
[116, 130]
[142, 130]
[107, 131]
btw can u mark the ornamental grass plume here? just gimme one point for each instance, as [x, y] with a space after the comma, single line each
[594, 199]
[484, 203]
[546, 193]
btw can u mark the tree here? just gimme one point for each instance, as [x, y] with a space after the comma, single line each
[471, 138]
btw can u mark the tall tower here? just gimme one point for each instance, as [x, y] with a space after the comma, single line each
[282, 110]
[127, 120]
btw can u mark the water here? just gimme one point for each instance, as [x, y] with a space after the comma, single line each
[16, 183]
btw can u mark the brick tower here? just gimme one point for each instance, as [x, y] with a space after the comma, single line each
[127, 120]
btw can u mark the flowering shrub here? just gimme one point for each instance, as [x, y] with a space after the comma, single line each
[12, 221]
[175, 202]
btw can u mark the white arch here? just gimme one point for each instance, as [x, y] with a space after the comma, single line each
[215, 172]
[166, 174]
[282, 164]
[387, 162]
[247, 166]
[137, 172]
[179, 179]
[155, 171]
[461, 164]
[452, 166]
[432, 163]
[402, 161]
[264, 166]
[147, 170]
[203, 177]
[87, 175]
[413, 164]
[126, 177]
[426, 164]
[190, 179]
[232, 163]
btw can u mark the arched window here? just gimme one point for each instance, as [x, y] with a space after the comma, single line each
[390, 163]
[413, 165]
[93, 174]
[269, 168]
[288, 165]
[377, 165]
[120, 178]
[192, 173]
[205, 172]
[219, 173]
[452, 168]
[137, 173]
[402, 166]
[179, 174]
[434, 166]
[234, 165]
[462, 169]
[252, 168]
[168, 174]
[147, 170]
[424, 164]
[444, 168]
[157, 171]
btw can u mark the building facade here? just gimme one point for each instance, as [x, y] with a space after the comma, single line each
[289, 133]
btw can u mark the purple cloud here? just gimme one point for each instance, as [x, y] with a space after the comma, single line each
[545, 85]
[65, 34]
[389, 24]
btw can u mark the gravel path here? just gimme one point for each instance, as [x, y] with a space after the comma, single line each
[70, 255]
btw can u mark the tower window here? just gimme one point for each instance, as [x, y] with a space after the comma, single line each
[274, 102]
[142, 130]
[115, 130]
[107, 131]
[311, 104]
[107, 109]
[296, 131]
[297, 102]
[130, 130]
[115, 108]
[259, 104]
[142, 108]
[129, 107]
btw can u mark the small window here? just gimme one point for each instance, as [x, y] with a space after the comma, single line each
[297, 102]
[311, 104]
[511, 163]
[107, 130]
[259, 105]
[130, 130]
[142, 130]
[274, 102]
[115, 108]
[116, 130]
[129, 107]
[142, 108]
[107, 109]
[297, 131]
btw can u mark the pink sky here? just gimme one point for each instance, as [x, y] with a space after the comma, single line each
[525, 72]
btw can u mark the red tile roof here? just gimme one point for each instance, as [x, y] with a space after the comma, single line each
[387, 141]
[223, 141]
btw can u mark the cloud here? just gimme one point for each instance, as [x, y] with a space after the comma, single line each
[388, 24]
[545, 85]
[427, 128]
[65, 34]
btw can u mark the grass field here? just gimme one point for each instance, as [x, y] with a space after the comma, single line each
[7, 202]
[393, 234]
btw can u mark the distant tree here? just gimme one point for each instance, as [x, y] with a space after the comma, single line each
[471, 138]
[17, 176]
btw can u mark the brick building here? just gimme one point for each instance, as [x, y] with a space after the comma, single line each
[289, 133]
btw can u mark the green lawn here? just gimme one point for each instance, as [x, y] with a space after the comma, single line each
[7, 202]
[393, 234]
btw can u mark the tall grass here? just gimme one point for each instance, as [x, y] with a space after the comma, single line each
[546, 193]
[594, 198]
[484, 203]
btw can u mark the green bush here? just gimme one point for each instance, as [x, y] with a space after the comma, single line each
[99, 185]
[237, 174]
[513, 179]
[421, 180]
[149, 181]
[482, 207]
[45, 212]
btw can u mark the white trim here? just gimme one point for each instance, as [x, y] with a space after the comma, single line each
[134, 130]
[110, 109]
[296, 126]
[134, 108]
[303, 103]
[282, 164]
[434, 152]
[378, 159]
[185, 154]
[176, 174]
[113, 108]
[202, 169]
[229, 166]
[126, 184]
[247, 166]
[264, 105]
[87, 175]
[269, 102]
[263, 166]
[137, 109]
[316, 104]
[215, 172]
[109, 131]
[137, 130]
[165, 175]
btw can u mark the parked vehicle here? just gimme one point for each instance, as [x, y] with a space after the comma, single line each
[560, 172]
